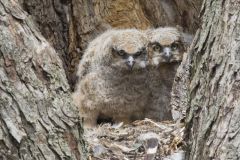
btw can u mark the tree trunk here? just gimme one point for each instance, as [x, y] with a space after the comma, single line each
[37, 118]
[211, 89]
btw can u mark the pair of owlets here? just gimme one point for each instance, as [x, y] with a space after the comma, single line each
[127, 75]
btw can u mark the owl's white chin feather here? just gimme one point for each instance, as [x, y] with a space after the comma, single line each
[142, 64]
[156, 61]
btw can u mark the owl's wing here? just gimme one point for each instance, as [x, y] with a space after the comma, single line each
[187, 38]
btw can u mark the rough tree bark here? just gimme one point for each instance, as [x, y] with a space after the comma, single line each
[52, 18]
[37, 118]
[210, 89]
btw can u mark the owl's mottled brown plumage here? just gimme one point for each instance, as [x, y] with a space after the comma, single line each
[112, 77]
[165, 49]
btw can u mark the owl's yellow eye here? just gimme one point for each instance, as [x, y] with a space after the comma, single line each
[174, 46]
[121, 52]
[137, 54]
[141, 52]
[156, 48]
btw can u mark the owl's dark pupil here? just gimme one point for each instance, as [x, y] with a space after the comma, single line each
[156, 47]
[138, 54]
[122, 53]
[174, 46]
[141, 52]
[125, 55]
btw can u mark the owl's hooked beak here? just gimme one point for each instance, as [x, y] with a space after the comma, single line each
[130, 62]
[167, 54]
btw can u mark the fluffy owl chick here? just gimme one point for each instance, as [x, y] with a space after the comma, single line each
[165, 45]
[165, 49]
[112, 77]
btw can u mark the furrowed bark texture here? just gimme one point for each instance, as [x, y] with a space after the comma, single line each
[211, 90]
[37, 118]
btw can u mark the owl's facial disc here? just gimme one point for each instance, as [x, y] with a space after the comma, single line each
[131, 60]
[170, 52]
[165, 53]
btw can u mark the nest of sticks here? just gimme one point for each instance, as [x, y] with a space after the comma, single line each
[140, 140]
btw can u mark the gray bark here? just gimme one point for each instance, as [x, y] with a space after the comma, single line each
[52, 18]
[37, 118]
[210, 91]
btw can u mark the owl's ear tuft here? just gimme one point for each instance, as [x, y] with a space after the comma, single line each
[113, 50]
[187, 39]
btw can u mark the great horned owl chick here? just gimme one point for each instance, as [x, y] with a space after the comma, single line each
[165, 49]
[165, 45]
[112, 77]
